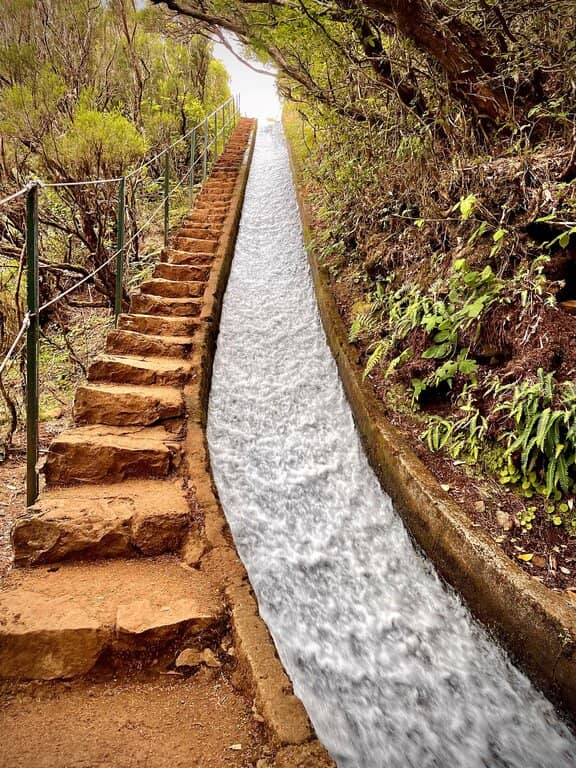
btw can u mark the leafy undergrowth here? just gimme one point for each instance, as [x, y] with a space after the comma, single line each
[456, 276]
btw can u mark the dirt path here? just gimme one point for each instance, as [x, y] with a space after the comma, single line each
[163, 721]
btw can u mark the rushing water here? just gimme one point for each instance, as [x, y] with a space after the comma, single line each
[392, 669]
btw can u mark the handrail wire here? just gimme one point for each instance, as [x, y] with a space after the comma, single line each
[86, 183]
[177, 141]
[26, 321]
[15, 195]
[133, 172]
[19, 335]
[94, 272]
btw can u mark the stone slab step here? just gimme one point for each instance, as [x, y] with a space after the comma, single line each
[172, 289]
[159, 305]
[57, 622]
[182, 258]
[210, 206]
[195, 245]
[200, 260]
[140, 370]
[121, 342]
[220, 187]
[105, 454]
[198, 232]
[138, 517]
[193, 231]
[215, 196]
[125, 404]
[205, 216]
[189, 272]
[158, 325]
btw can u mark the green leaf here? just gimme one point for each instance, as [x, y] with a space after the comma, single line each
[467, 206]
[477, 233]
[459, 265]
[437, 352]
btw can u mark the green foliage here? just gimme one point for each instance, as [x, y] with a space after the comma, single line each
[462, 436]
[99, 143]
[29, 109]
[444, 318]
[541, 445]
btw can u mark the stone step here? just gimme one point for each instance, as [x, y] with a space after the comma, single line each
[219, 187]
[121, 342]
[138, 517]
[210, 207]
[205, 216]
[198, 233]
[158, 325]
[195, 245]
[216, 196]
[200, 260]
[107, 454]
[158, 305]
[203, 227]
[57, 622]
[140, 370]
[126, 404]
[172, 289]
[185, 259]
[189, 272]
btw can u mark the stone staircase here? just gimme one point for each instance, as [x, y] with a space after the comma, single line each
[116, 488]
[126, 560]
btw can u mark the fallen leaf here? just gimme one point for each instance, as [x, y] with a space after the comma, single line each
[526, 557]
[539, 561]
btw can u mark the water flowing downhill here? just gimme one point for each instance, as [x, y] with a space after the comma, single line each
[392, 669]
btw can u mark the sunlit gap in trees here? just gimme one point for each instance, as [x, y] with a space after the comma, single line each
[258, 94]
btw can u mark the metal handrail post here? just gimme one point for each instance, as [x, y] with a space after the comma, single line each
[205, 157]
[166, 197]
[120, 219]
[192, 153]
[32, 335]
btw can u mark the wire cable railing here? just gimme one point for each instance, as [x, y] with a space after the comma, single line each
[205, 141]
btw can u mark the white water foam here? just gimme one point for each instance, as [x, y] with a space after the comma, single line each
[392, 669]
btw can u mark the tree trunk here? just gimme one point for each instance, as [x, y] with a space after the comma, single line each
[463, 53]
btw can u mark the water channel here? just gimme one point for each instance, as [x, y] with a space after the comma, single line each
[392, 669]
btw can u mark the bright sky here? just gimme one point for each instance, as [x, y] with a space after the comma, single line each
[258, 95]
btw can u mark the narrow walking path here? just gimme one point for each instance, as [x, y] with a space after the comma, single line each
[128, 583]
[389, 663]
